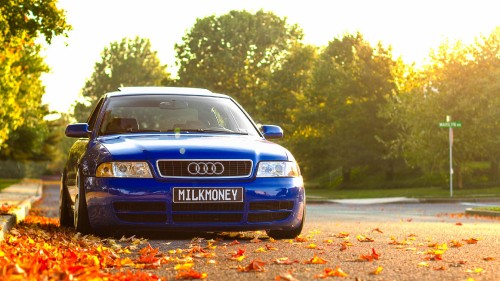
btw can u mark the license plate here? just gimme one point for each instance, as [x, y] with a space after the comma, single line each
[207, 195]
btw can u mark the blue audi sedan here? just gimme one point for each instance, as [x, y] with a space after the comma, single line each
[178, 159]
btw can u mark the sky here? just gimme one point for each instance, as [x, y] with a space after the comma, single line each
[411, 27]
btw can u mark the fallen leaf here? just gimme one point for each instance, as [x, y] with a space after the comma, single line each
[342, 235]
[439, 268]
[286, 276]
[362, 238]
[377, 230]
[475, 270]
[377, 271]
[311, 246]
[300, 239]
[471, 240]
[269, 247]
[286, 261]
[328, 272]
[255, 265]
[316, 260]
[190, 274]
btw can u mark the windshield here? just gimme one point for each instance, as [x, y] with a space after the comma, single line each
[174, 113]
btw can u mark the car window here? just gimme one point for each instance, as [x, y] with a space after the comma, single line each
[171, 113]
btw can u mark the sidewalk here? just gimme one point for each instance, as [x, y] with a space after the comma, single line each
[16, 201]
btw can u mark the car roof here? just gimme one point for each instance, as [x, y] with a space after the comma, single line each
[127, 91]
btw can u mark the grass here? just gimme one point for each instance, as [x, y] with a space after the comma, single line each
[7, 182]
[421, 192]
[494, 209]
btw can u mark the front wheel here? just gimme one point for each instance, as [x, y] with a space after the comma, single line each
[81, 216]
[65, 218]
[287, 233]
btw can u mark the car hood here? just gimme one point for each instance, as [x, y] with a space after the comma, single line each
[154, 147]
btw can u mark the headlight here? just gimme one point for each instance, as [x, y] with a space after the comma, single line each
[278, 169]
[123, 170]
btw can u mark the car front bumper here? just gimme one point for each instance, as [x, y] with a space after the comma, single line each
[146, 204]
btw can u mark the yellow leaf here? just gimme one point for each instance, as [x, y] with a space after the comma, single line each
[185, 266]
[260, 250]
[126, 262]
[311, 246]
[423, 264]
[377, 271]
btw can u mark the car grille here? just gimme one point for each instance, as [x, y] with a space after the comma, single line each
[124, 206]
[271, 205]
[207, 207]
[221, 217]
[264, 217]
[179, 168]
[156, 212]
[141, 212]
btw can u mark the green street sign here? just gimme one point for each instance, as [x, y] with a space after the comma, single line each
[455, 124]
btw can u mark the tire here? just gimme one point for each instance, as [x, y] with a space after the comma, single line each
[81, 216]
[287, 233]
[65, 213]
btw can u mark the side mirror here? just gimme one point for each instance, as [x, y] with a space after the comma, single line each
[272, 131]
[79, 130]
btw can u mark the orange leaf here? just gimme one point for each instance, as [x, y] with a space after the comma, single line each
[316, 260]
[255, 265]
[440, 268]
[300, 239]
[239, 255]
[190, 274]
[269, 247]
[235, 242]
[471, 240]
[488, 258]
[328, 272]
[377, 230]
[342, 235]
[371, 257]
[255, 240]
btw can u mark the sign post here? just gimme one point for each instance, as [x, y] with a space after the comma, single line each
[450, 125]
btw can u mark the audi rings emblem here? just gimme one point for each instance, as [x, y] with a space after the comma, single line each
[205, 168]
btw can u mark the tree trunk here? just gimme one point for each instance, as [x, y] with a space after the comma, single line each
[346, 174]
[494, 170]
[389, 171]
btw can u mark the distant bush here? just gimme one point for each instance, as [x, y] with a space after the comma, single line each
[18, 170]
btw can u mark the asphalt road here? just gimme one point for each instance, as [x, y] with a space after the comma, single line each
[413, 242]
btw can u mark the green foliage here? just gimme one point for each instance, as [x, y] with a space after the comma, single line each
[21, 66]
[350, 82]
[31, 18]
[461, 81]
[235, 54]
[130, 62]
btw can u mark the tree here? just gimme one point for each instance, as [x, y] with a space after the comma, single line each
[130, 62]
[350, 83]
[461, 81]
[21, 66]
[235, 54]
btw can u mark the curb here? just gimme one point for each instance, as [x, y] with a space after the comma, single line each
[483, 213]
[7, 221]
